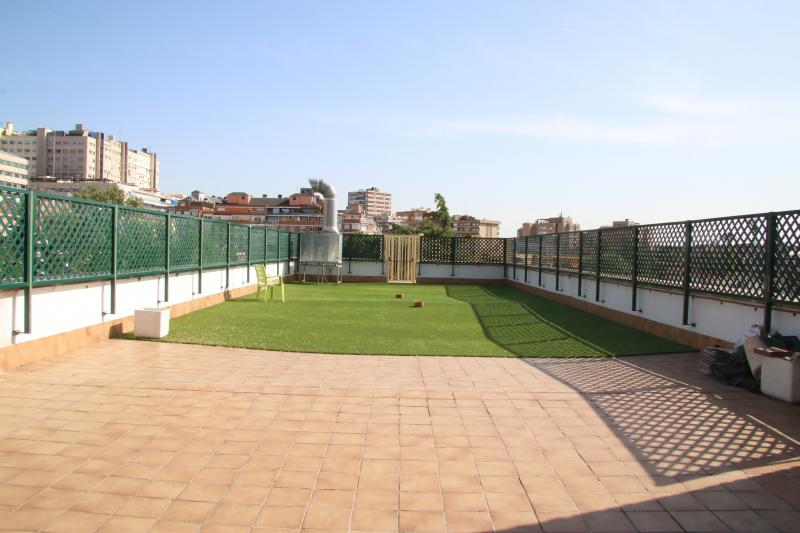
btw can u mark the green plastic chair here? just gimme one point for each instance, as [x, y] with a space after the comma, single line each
[268, 283]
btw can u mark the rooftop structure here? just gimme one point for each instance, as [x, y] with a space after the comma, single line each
[13, 171]
[464, 225]
[546, 226]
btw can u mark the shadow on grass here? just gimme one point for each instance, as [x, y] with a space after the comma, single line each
[532, 327]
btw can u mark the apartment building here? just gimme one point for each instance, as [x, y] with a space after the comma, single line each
[354, 219]
[466, 225]
[621, 224]
[299, 212]
[544, 226]
[13, 171]
[81, 155]
[374, 201]
[412, 218]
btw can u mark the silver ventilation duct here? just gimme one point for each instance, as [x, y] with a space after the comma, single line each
[329, 214]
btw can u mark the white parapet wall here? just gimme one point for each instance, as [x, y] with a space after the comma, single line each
[719, 317]
[70, 306]
[426, 270]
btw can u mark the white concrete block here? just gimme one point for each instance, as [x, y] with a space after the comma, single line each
[780, 378]
[151, 323]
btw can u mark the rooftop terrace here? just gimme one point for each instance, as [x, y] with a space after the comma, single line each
[139, 436]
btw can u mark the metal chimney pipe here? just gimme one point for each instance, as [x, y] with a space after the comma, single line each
[329, 212]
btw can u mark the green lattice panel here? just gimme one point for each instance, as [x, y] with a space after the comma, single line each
[284, 239]
[71, 239]
[519, 251]
[480, 251]
[509, 250]
[215, 243]
[142, 242]
[184, 240]
[548, 252]
[661, 254]
[238, 247]
[295, 246]
[569, 247]
[728, 256]
[257, 249]
[272, 246]
[357, 247]
[12, 236]
[786, 270]
[589, 255]
[435, 250]
[533, 252]
[616, 257]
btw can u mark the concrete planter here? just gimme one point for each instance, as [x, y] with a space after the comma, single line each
[780, 378]
[151, 323]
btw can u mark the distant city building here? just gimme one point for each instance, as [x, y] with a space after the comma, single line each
[545, 226]
[355, 220]
[383, 223]
[13, 171]
[464, 225]
[300, 212]
[412, 218]
[622, 224]
[374, 201]
[81, 155]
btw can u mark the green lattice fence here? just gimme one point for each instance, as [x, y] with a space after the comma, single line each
[12, 237]
[258, 248]
[358, 247]
[786, 269]
[436, 250]
[548, 252]
[215, 244]
[589, 253]
[661, 254]
[272, 246]
[284, 246]
[239, 245]
[184, 250]
[568, 252]
[71, 240]
[616, 257]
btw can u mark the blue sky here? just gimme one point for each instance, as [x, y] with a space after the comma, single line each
[654, 111]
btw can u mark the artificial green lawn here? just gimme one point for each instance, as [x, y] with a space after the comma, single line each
[366, 318]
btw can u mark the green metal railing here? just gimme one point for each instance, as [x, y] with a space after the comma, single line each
[748, 257]
[48, 239]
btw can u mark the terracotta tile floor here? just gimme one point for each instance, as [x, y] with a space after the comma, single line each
[126, 436]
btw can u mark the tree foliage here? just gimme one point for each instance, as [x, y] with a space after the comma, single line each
[110, 195]
[438, 224]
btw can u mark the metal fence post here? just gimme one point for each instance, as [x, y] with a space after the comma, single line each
[200, 259]
[505, 258]
[769, 271]
[558, 259]
[167, 231]
[29, 229]
[526, 258]
[599, 265]
[580, 264]
[249, 237]
[687, 271]
[278, 253]
[514, 255]
[635, 268]
[540, 261]
[228, 258]
[453, 255]
[114, 247]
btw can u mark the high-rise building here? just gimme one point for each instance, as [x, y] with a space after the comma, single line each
[13, 171]
[375, 202]
[80, 155]
[464, 225]
[544, 226]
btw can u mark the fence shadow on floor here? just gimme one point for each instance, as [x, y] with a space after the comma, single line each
[675, 422]
[528, 326]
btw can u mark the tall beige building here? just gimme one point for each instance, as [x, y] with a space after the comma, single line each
[81, 155]
[13, 171]
[375, 202]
